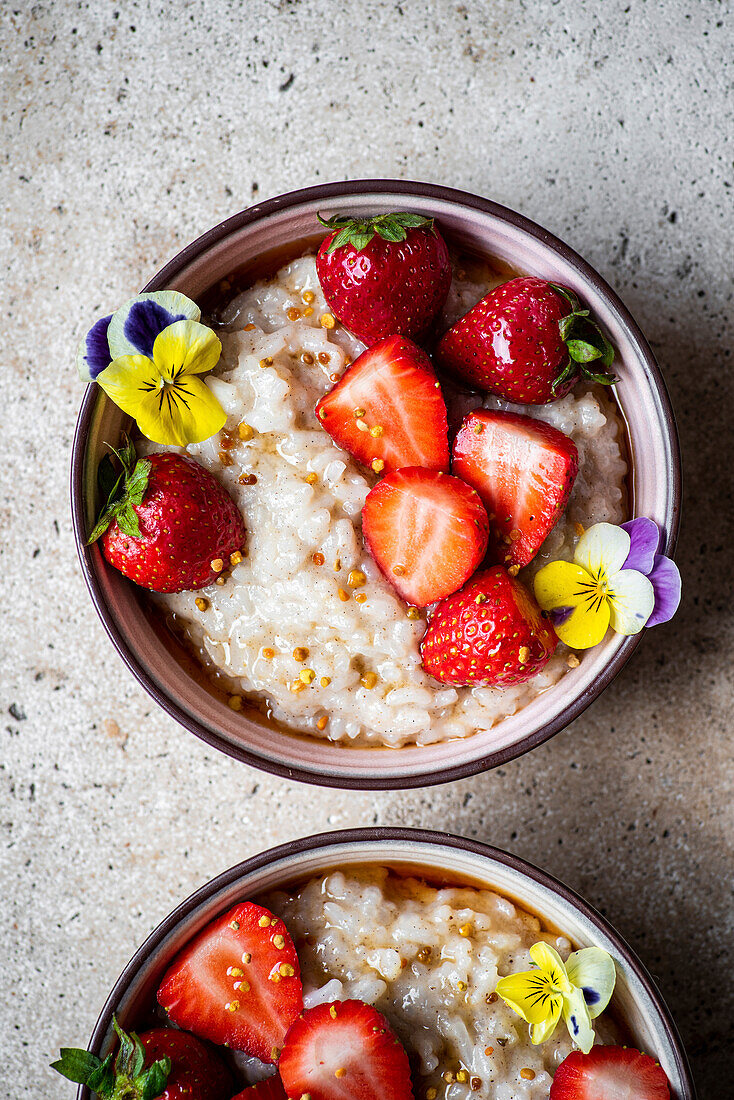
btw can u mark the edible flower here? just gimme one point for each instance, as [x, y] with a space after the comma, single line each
[146, 357]
[617, 578]
[578, 990]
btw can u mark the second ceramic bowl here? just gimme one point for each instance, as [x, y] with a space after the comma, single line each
[257, 240]
[437, 857]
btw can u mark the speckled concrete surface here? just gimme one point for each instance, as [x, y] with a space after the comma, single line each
[129, 128]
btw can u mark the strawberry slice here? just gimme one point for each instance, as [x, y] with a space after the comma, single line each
[427, 531]
[344, 1051]
[524, 470]
[237, 983]
[387, 409]
[270, 1089]
[609, 1073]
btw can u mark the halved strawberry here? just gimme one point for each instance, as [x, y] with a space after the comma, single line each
[387, 409]
[237, 983]
[609, 1073]
[344, 1051]
[524, 470]
[270, 1089]
[427, 531]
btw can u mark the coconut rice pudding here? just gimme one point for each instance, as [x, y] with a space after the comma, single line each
[305, 625]
[429, 959]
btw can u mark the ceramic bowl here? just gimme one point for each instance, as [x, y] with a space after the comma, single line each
[259, 239]
[437, 856]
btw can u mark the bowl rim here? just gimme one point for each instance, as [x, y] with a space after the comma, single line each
[307, 773]
[390, 834]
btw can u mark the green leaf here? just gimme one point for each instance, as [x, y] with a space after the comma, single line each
[102, 1081]
[602, 377]
[342, 237]
[361, 238]
[76, 1065]
[335, 221]
[137, 483]
[127, 521]
[107, 478]
[126, 1056]
[154, 1080]
[567, 294]
[105, 519]
[414, 221]
[582, 351]
[568, 370]
[391, 232]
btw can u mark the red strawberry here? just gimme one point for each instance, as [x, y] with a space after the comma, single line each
[166, 520]
[237, 983]
[609, 1073]
[523, 470]
[387, 409]
[528, 341]
[197, 1071]
[385, 274]
[427, 532]
[270, 1089]
[491, 634]
[344, 1051]
[161, 1063]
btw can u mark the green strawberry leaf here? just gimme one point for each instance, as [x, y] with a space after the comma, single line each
[120, 1077]
[137, 483]
[102, 1080]
[127, 521]
[128, 489]
[76, 1065]
[569, 369]
[358, 232]
[153, 1081]
[391, 232]
[582, 352]
[108, 478]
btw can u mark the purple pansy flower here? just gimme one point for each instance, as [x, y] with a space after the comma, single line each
[94, 351]
[662, 572]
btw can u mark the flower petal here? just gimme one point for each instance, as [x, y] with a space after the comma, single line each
[530, 994]
[594, 973]
[563, 585]
[551, 963]
[187, 412]
[666, 583]
[134, 327]
[631, 601]
[578, 1020]
[543, 1030]
[129, 380]
[186, 347]
[602, 550]
[644, 536]
[94, 351]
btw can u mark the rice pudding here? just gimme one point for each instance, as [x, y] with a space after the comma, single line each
[305, 626]
[429, 959]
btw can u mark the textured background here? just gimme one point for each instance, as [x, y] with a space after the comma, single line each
[128, 129]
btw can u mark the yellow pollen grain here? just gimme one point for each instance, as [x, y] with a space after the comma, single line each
[286, 970]
[356, 579]
[360, 597]
[465, 930]
[341, 1072]
[448, 1077]
[327, 320]
[235, 702]
[232, 1006]
[324, 358]
[245, 432]
[572, 661]
[481, 598]
[413, 613]
[234, 972]
[523, 654]
[266, 362]
[307, 675]
[298, 685]
[307, 358]
[308, 296]
[461, 986]
[325, 681]
[378, 465]
[377, 431]
[489, 1051]
[279, 941]
[300, 653]
[201, 603]
[249, 328]
[579, 529]
[368, 680]
[217, 564]
[478, 429]
[308, 311]
[476, 1083]
[275, 1055]
[268, 653]
[337, 565]
[513, 570]
[236, 558]
[462, 1076]
[312, 478]
[220, 581]
[264, 921]
[293, 314]
[359, 413]
[332, 1012]
[399, 570]
[431, 1094]
[322, 723]
[527, 1074]
[343, 595]
[318, 558]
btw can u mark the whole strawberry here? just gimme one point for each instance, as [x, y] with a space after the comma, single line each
[168, 524]
[490, 634]
[529, 341]
[385, 275]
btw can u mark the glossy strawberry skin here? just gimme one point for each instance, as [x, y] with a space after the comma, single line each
[524, 471]
[490, 634]
[510, 343]
[197, 1071]
[270, 1089]
[388, 286]
[344, 1051]
[394, 385]
[237, 983]
[187, 520]
[609, 1073]
[427, 531]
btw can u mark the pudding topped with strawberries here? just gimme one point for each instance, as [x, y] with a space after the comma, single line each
[408, 439]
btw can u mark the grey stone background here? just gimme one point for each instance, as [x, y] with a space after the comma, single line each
[129, 128]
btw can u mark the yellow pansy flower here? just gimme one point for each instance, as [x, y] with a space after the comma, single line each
[595, 591]
[578, 990]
